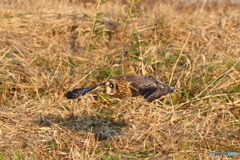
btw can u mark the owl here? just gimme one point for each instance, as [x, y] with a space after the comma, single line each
[128, 86]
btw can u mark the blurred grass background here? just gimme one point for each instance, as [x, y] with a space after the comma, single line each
[50, 47]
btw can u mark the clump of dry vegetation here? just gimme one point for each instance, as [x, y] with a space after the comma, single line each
[49, 47]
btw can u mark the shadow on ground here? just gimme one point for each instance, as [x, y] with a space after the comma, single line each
[103, 128]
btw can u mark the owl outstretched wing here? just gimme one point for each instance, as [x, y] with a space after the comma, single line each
[151, 89]
[78, 93]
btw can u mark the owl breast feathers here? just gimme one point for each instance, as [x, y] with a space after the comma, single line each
[128, 86]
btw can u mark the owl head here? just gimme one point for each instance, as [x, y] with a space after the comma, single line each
[111, 87]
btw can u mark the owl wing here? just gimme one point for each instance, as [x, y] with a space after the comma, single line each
[78, 93]
[150, 88]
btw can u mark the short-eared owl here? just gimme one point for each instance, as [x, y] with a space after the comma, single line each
[128, 86]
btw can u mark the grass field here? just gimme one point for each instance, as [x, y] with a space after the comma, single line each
[50, 47]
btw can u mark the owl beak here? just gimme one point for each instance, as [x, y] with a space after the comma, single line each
[107, 89]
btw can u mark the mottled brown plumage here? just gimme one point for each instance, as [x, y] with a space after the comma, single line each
[128, 86]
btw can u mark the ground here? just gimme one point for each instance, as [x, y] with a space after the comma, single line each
[50, 47]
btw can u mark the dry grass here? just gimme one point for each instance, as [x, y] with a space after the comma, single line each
[47, 48]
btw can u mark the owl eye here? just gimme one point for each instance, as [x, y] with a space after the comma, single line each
[110, 85]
